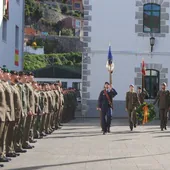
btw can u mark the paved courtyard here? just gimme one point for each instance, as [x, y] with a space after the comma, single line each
[79, 145]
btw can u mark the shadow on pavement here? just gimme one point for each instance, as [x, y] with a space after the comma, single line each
[94, 133]
[162, 136]
[90, 161]
[121, 140]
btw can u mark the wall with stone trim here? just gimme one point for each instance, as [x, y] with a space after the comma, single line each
[164, 18]
[129, 45]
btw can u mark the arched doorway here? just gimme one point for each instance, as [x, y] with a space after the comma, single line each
[152, 82]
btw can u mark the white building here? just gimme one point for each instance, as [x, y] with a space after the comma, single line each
[128, 26]
[34, 50]
[11, 33]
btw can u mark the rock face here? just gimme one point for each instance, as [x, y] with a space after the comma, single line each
[57, 44]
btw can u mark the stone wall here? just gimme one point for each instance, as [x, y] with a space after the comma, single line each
[59, 44]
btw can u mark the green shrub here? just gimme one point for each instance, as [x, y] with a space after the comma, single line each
[67, 32]
[33, 62]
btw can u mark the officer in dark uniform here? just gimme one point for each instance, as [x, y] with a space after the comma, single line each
[105, 105]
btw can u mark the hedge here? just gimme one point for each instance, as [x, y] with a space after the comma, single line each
[34, 62]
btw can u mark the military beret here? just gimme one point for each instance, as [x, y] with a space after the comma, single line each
[131, 85]
[5, 70]
[58, 81]
[21, 73]
[164, 84]
[29, 74]
[13, 72]
[107, 83]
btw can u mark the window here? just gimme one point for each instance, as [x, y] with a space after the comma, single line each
[78, 24]
[76, 85]
[4, 29]
[18, 1]
[16, 37]
[77, 5]
[152, 83]
[151, 18]
[64, 85]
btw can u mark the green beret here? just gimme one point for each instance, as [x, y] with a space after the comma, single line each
[5, 70]
[13, 72]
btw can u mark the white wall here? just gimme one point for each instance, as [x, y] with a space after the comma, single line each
[31, 50]
[114, 22]
[123, 74]
[7, 49]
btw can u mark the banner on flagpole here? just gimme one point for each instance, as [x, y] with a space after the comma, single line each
[16, 57]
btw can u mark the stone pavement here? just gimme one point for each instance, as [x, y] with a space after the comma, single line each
[79, 145]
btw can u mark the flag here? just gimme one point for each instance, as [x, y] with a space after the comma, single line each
[16, 58]
[6, 9]
[110, 57]
[143, 68]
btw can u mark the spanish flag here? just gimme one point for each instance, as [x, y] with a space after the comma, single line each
[16, 57]
[143, 68]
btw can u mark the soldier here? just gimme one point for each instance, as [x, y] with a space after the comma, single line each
[3, 122]
[9, 94]
[12, 142]
[163, 104]
[37, 110]
[56, 107]
[44, 108]
[142, 94]
[54, 101]
[132, 102]
[30, 110]
[20, 129]
[105, 105]
[61, 102]
[48, 130]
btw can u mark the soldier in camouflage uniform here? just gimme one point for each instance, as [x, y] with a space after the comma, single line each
[22, 120]
[44, 108]
[30, 112]
[4, 118]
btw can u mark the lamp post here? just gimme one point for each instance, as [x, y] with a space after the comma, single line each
[152, 43]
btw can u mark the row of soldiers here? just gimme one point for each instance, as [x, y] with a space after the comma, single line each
[133, 100]
[29, 110]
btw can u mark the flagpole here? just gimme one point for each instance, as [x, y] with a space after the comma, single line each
[110, 75]
[110, 64]
[143, 74]
[143, 82]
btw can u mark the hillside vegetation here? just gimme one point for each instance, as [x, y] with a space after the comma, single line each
[34, 62]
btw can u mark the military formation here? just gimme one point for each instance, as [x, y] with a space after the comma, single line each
[29, 111]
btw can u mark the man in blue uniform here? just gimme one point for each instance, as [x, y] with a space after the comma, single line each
[105, 105]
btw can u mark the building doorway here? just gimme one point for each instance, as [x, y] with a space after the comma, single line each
[152, 83]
